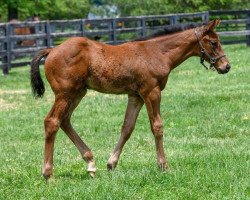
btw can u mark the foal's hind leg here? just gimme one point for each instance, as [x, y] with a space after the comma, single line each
[133, 108]
[81, 146]
[52, 124]
[59, 116]
[74, 137]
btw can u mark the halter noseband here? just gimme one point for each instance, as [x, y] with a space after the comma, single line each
[204, 53]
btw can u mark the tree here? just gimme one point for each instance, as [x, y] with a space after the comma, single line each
[156, 7]
[141, 7]
[69, 9]
[46, 9]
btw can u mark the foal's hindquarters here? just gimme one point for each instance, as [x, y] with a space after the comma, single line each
[67, 78]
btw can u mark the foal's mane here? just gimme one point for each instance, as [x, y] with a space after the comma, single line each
[169, 30]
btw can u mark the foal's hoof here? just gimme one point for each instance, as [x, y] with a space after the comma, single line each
[47, 171]
[111, 166]
[91, 169]
[163, 166]
[92, 174]
[46, 176]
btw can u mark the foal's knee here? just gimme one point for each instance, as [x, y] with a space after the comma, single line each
[157, 129]
[51, 127]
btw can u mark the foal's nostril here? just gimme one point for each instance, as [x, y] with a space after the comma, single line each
[228, 66]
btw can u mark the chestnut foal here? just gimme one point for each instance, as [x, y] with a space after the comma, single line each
[139, 69]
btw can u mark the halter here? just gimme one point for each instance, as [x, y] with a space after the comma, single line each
[205, 53]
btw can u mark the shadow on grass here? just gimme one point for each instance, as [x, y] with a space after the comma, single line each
[84, 175]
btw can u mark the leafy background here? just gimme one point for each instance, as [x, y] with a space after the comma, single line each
[70, 9]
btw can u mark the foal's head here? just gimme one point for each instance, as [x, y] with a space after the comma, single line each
[209, 47]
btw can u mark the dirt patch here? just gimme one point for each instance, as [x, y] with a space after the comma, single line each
[109, 96]
[187, 72]
[91, 93]
[5, 106]
[13, 92]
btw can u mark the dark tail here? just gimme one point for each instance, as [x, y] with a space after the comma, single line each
[35, 76]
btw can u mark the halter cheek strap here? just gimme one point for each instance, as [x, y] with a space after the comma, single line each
[204, 53]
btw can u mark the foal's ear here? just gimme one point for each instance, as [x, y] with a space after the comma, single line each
[212, 24]
[210, 27]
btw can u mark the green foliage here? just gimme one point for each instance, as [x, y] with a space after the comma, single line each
[156, 7]
[69, 9]
[138, 7]
[47, 9]
[206, 138]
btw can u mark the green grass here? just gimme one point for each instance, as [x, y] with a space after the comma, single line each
[206, 126]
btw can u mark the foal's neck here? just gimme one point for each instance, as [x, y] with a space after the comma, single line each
[177, 47]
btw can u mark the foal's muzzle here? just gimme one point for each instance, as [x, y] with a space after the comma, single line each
[224, 70]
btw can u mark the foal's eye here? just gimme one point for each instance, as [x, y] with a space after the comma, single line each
[214, 44]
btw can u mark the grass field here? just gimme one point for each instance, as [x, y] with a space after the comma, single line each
[207, 139]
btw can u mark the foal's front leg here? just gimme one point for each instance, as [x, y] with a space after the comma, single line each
[133, 108]
[152, 101]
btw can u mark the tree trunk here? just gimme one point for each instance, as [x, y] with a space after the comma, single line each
[12, 12]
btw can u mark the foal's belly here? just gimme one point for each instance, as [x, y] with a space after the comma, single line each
[119, 86]
[116, 84]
